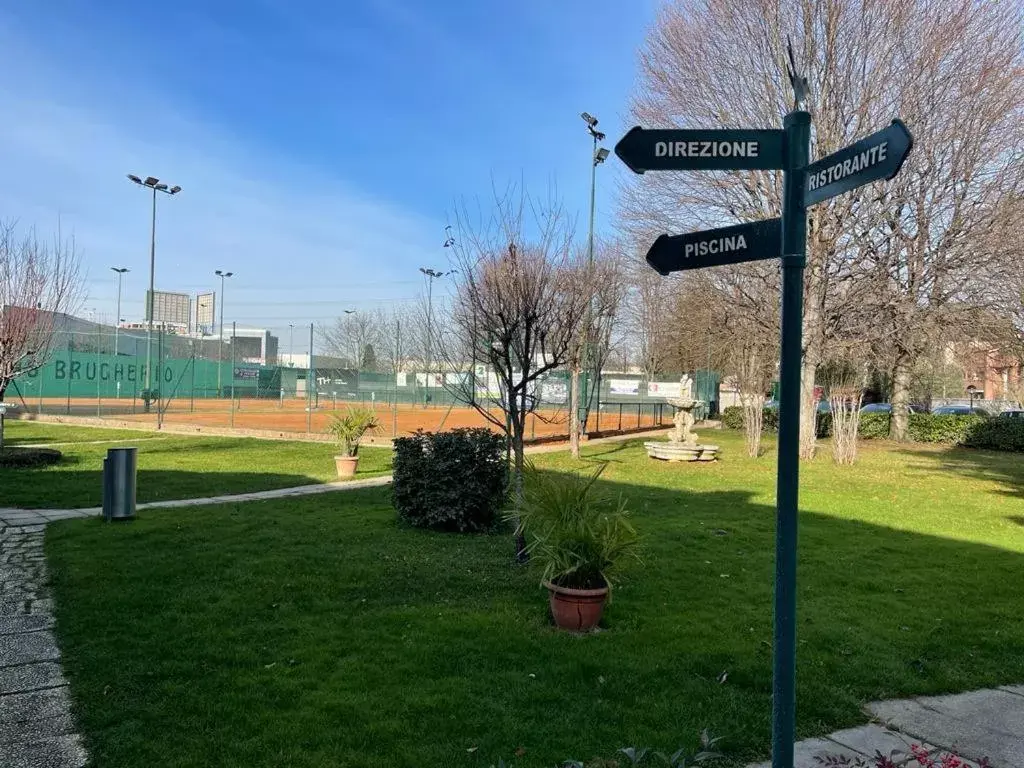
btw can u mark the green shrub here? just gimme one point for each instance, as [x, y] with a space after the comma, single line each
[932, 428]
[732, 417]
[823, 424]
[28, 458]
[576, 538]
[996, 434]
[873, 426]
[348, 429]
[450, 481]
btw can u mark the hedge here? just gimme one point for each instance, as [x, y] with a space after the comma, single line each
[940, 428]
[972, 431]
[732, 418]
[28, 458]
[873, 426]
[450, 481]
[997, 434]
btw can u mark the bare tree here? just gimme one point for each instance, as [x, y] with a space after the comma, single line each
[604, 282]
[396, 333]
[753, 366]
[946, 250]
[945, 66]
[648, 313]
[518, 301]
[353, 337]
[39, 283]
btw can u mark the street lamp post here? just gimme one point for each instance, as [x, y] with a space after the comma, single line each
[431, 275]
[220, 347]
[972, 393]
[598, 156]
[291, 345]
[117, 320]
[156, 185]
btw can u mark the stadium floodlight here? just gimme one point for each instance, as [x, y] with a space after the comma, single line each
[152, 182]
[598, 156]
[220, 346]
[117, 321]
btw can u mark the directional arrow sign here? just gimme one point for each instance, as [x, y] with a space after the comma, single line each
[879, 156]
[697, 150]
[714, 247]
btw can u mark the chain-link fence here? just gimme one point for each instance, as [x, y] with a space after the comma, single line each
[128, 375]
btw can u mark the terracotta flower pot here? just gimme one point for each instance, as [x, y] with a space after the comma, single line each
[577, 610]
[346, 466]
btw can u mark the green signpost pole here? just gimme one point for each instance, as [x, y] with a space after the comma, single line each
[875, 157]
[794, 257]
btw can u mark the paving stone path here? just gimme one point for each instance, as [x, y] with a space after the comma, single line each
[36, 727]
[980, 724]
[17, 516]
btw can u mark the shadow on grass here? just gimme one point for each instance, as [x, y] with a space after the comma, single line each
[1001, 467]
[73, 489]
[450, 628]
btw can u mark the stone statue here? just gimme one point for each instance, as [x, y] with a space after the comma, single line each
[682, 420]
[682, 444]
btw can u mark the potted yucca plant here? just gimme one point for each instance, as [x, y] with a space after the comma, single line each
[348, 430]
[577, 539]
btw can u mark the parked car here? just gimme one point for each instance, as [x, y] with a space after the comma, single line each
[1012, 413]
[887, 408]
[960, 410]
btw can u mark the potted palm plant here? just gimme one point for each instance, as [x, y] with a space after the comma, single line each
[348, 430]
[577, 539]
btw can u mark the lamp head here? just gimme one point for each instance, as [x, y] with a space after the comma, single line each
[589, 119]
[151, 181]
[175, 189]
[134, 178]
[600, 156]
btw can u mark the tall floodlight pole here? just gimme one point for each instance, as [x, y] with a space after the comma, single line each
[220, 347]
[431, 275]
[117, 320]
[291, 344]
[598, 156]
[156, 185]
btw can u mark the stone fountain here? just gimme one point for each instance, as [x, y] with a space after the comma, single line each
[682, 444]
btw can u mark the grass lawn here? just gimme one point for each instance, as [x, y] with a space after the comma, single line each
[318, 632]
[170, 466]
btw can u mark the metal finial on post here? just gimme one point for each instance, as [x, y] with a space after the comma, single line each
[800, 87]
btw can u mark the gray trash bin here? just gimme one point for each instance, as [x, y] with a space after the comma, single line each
[119, 468]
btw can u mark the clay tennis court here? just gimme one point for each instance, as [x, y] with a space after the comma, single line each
[291, 415]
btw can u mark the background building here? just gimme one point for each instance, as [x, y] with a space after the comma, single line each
[252, 345]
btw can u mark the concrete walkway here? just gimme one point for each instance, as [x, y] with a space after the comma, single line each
[980, 724]
[36, 727]
[17, 516]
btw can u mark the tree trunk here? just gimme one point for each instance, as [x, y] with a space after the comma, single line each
[574, 413]
[808, 407]
[898, 428]
[516, 439]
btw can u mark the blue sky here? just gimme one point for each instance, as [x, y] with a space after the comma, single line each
[320, 145]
